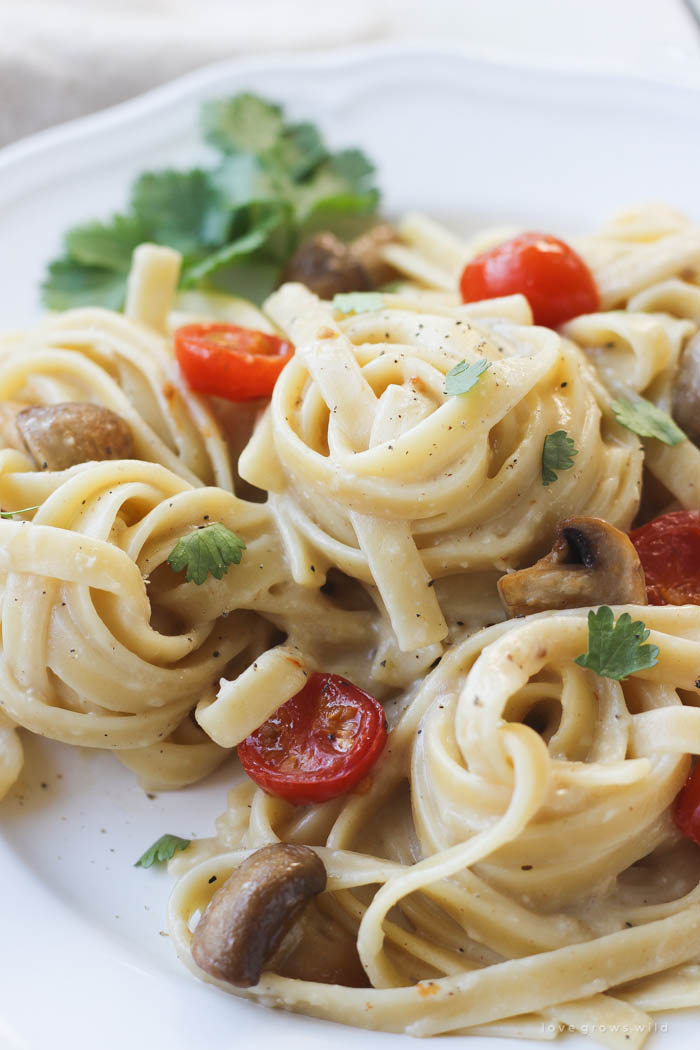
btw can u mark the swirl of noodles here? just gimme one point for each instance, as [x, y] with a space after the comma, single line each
[533, 865]
[617, 751]
[378, 472]
[102, 644]
[100, 356]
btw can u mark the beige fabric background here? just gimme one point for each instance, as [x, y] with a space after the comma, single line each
[64, 58]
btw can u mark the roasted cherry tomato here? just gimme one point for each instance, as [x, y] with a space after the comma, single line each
[555, 280]
[669, 550]
[686, 808]
[236, 363]
[319, 744]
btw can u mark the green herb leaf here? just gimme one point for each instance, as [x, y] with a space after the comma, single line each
[163, 849]
[357, 302]
[343, 175]
[107, 244]
[184, 210]
[244, 123]
[558, 453]
[236, 224]
[345, 214]
[70, 283]
[11, 513]
[461, 378]
[644, 418]
[207, 550]
[615, 650]
[298, 150]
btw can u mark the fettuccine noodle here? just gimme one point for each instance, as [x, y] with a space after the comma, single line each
[511, 865]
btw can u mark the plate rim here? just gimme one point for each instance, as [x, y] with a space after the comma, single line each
[203, 79]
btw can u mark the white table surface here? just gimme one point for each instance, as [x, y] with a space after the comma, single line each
[63, 58]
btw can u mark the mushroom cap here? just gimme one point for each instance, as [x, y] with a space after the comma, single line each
[62, 435]
[591, 563]
[327, 266]
[249, 915]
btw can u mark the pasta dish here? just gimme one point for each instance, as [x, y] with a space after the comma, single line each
[422, 546]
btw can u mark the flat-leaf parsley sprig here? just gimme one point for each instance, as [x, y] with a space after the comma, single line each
[616, 650]
[461, 378]
[162, 850]
[558, 453]
[647, 419]
[208, 550]
[237, 222]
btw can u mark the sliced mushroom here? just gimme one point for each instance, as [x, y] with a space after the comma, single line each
[367, 249]
[591, 563]
[328, 266]
[247, 918]
[59, 436]
[686, 391]
[317, 948]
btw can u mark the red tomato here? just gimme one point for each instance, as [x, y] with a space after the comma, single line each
[236, 363]
[319, 744]
[686, 808]
[556, 281]
[669, 550]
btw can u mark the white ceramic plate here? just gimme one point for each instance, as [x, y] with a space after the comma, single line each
[85, 961]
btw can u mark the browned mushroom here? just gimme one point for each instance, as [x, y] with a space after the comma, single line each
[328, 266]
[59, 436]
[249, 915]
[591, 563]
[367, 249]
[686, 391]
[317, 948]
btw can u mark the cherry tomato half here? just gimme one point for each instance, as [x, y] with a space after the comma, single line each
[686, 808]
[669, 550]
[319, 744]
[555, 280]
[235, 363]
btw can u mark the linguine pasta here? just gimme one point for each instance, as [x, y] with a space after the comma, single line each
[510, 865]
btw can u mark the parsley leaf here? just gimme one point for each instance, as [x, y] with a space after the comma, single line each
[615, 650]
[182, 209]
[558, 453]
[236, 223]
[70, 283]
[162, 849]
[108, 245]
[461, 378]
[644, 418]
[11, 513]
[357, 302]
[242, 124]
[210, 549]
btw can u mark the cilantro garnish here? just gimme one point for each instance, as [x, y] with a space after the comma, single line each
[207, 550]
[162, 849]
[11, 513]
[646, 419]
[558, 453]
[461, 378]
[236, 222]
[358, 302]
[615, 650]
